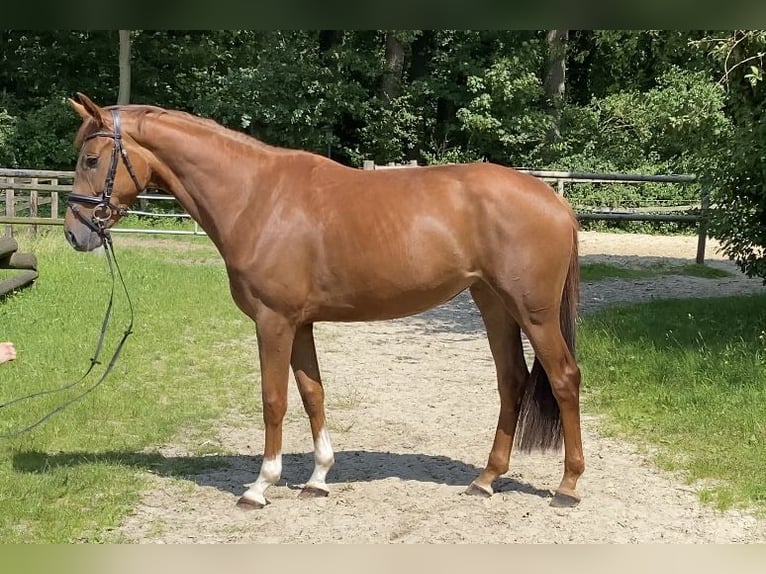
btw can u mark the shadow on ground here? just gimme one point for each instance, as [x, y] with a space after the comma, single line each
[229, 473]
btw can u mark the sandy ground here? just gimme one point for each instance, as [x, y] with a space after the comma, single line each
[412, 408]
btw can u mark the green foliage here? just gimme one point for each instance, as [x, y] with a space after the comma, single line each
[678, 126]
[39, 70]
[460, 87]
[390, 133]
[175, 68]
[505, 118]
[739, 186]
[40, 65]
[7, 128]
[43, 136]
[291, 93]
[674, 127]
[739, 199]
[604, 62]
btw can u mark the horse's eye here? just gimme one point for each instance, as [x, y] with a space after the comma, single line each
[91, 162]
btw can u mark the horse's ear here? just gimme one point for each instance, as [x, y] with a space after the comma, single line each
[79, 108]
[87, 109]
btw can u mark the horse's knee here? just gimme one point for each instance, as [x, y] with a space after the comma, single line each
[274, 407]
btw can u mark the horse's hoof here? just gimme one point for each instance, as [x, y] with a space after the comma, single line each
[249, 504]
[561, 500]
[476, 490]
[313, 492]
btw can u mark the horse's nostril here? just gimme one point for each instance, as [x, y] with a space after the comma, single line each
[69, 237]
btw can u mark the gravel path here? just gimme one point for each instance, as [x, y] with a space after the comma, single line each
[412, 407]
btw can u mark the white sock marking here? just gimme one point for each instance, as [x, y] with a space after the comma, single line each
[324, 458]
[271, 470]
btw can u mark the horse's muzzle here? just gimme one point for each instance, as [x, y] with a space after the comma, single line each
[83, 238]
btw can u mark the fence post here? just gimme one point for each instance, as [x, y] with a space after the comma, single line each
[703, 224]
[55, 201]
[10, 207]
[33, 203]
[560, 186]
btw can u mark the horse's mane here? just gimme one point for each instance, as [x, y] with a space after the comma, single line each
[141, 112]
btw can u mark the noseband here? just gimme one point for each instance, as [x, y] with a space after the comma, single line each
[103, 206]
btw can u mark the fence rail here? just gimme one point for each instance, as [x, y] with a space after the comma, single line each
[37, 182]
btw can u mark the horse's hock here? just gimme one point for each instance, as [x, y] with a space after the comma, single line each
[10, 259]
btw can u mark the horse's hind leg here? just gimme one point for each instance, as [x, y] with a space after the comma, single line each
[504, 338]
[551, 350]
[306, 369]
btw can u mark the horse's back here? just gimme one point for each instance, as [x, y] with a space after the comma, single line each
[466, 209]
[431, 186]
[481, 203]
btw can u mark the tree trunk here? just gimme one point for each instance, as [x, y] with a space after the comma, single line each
[394, 66]
[124, 94]
[555, 79]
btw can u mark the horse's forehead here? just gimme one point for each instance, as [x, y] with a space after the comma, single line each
[89, 145]
[87, 128]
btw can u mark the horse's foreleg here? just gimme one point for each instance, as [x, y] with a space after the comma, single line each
[275, 340]
[306, 369]
[504, 338]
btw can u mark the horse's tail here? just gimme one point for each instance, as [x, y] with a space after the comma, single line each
[539, 424]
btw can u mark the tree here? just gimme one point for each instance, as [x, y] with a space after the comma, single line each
[390, 133]
[394, 66]
[123, 96]
[555, 79]
[504, 114]
[738, 219]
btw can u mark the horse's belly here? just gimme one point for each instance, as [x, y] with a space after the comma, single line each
[387, 302]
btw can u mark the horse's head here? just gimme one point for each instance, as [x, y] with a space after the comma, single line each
[112, 169]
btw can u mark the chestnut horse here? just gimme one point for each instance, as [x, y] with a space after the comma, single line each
[305, 239]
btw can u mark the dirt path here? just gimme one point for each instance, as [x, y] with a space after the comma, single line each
[412, 407]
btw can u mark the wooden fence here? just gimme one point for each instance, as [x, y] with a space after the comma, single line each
[40, 194]
[10, 259]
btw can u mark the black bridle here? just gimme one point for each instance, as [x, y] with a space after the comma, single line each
[102, 205]
[102, 212]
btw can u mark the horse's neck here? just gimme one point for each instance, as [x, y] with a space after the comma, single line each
[209, 171]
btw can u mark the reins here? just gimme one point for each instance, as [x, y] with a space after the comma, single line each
[102, 212]
[113, 265]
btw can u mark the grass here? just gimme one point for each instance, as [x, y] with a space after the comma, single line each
[161, 222]
[688, 379]
[600, 271]
[191, 359]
